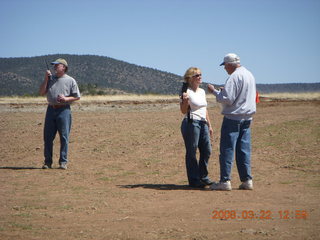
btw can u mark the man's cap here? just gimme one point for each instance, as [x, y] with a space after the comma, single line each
[60, 60]
[231, 58]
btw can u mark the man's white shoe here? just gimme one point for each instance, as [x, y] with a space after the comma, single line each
[63, 166]
[221, 186]
[247, 185]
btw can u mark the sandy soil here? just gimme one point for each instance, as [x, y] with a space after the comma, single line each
[126, 177]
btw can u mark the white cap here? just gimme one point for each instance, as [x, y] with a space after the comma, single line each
[231, 58]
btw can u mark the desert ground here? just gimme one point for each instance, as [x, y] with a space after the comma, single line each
[127, 179]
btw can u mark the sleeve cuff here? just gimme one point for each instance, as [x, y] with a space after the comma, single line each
[216, 92]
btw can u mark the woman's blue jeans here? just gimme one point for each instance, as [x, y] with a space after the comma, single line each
[196, 135]
[57, 120]
[235, 138]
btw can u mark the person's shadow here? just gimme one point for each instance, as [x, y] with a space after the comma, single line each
[163, 187]
[20, 168]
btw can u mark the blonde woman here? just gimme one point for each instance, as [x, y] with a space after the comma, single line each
[196, 129]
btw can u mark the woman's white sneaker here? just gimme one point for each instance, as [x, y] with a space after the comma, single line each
[247, 185]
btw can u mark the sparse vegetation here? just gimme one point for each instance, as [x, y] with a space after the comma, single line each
[293, 96]
[126, 178]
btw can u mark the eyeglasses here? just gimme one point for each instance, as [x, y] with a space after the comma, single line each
[197, 75]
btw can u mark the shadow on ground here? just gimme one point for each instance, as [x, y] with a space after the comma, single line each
[163, 187]
[20, 168]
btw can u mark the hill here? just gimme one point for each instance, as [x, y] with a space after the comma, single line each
[289, 88]
[94, 74]
[104, 75]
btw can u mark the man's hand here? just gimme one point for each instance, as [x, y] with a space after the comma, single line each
[48, 74]
[210, 88]
[61, 98]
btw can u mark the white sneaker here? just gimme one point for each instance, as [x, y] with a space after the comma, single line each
[247, 185]
[63, 166]
[222, 186]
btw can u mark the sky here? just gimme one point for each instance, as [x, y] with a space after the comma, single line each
[277, 40]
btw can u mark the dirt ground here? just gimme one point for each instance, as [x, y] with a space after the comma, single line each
[127, 180]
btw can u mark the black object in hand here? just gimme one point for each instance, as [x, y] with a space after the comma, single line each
[184, 88]
[50, 76]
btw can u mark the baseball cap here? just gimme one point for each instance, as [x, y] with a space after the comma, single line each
[60, 60]
[231, 58]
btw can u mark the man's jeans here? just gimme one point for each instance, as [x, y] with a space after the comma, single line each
[235, 136]
[57, 120]
[196, 135]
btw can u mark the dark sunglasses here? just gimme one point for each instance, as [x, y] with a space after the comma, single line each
[197, 75]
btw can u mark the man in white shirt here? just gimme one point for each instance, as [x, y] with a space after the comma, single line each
[238, 107]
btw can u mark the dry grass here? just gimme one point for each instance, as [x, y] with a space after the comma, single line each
[294, 96]
[21, 100]
[130, 97]
[122, 97]
[152, 97]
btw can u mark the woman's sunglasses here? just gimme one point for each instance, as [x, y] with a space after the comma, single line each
[197, 75]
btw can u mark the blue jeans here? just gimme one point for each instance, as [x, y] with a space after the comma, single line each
[57, 120]
[235, 137]
[196, 135]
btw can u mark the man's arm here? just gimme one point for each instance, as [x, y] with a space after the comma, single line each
[227, 94]
[43, 87]
[75, 94]
[64, 99]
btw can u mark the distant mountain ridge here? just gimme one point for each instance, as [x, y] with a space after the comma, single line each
[289, 87]
[24, 75]
[105, 75]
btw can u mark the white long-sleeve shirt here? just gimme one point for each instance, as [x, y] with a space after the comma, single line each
[238, 97]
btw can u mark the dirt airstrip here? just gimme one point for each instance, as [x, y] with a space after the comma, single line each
[126, 177]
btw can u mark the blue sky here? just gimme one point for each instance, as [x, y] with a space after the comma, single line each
[278, 40]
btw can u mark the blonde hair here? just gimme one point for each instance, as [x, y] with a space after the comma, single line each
[191, 72]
